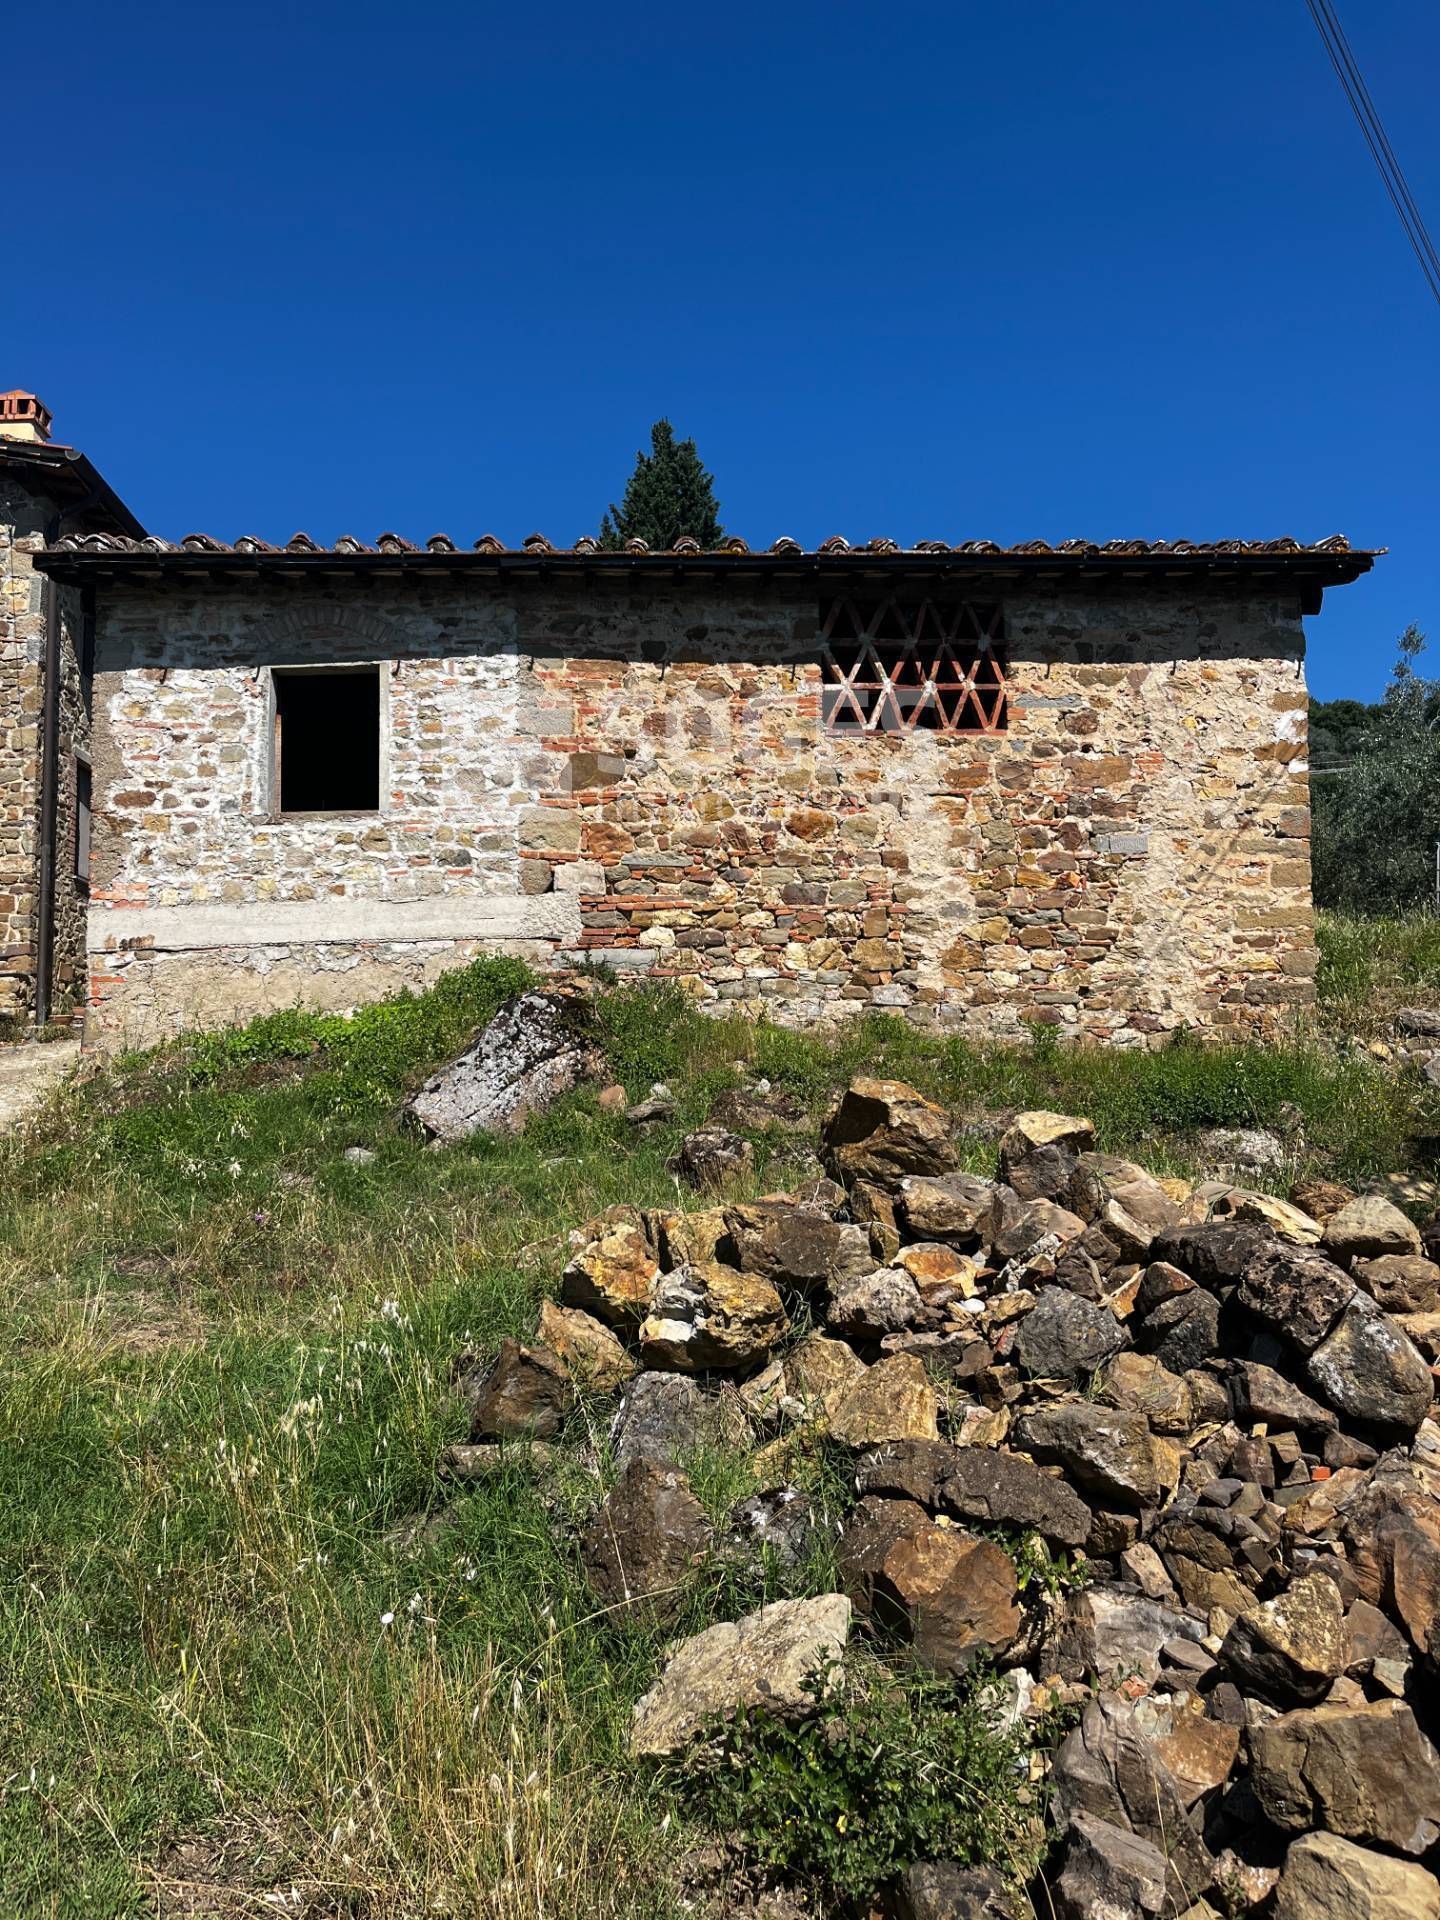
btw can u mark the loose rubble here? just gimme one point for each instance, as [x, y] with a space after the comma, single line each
[1208, 1410]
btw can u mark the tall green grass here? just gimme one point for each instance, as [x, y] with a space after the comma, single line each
[224, 1379]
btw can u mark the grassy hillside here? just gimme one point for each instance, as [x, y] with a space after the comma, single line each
[255, 1657]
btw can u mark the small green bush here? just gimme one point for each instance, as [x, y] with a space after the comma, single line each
[889, 1769]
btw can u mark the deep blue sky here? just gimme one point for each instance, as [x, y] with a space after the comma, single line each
[922, 270]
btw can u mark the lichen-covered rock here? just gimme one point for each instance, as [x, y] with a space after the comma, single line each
[1292, 1648]
[527, 1391]
[881, 1130]
[1065, 1337]
[1365, 1772]
[893, 1400]
[1139, 1383]
[536, 1047]
[613, 1277]
[664, 1416]
[711, 1157]
[951, 1594]
[1213, 1200]
[764, 1660]
[1037, 1147]
[594, 1356]
[711, 1317]
[1371, 1370]
[1298, 1294]
[645, 1540]
[821, 1370]
[874, 1304]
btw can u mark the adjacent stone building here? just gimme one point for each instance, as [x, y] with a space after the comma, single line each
[982, 787]
[46, 491]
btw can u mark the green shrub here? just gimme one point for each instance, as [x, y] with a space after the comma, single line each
[888, 1770]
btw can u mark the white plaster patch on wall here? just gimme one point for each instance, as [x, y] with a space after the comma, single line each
[336, 922]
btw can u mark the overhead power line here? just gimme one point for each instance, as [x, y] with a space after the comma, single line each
[1363, 107]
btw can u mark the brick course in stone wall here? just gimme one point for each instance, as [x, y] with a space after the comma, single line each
[639, 774]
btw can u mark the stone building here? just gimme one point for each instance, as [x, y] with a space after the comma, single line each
[46, 491]
[980, 786]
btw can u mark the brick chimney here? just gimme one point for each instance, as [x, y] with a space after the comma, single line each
[23, 417]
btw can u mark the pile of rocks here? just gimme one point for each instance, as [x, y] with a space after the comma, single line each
[1214, 1402]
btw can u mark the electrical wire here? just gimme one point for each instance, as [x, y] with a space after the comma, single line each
[1347, 71]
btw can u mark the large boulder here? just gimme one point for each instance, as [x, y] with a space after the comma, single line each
[594, 1356]
[1002, 1490]
[1065, 1337]
[893, 1400]
[944, 1890]
[796, 1246]
[874, 1304]
[664, 1416]
[819, 1371]
[952, 1208]
[711, 1157]
[1108, 1767]
[951, 1594]
[881, 1130]
[1371, 1370]
[528, 1391]
[1367, 1228]
[1290, 1649]
[1400, 1282]
[711, 1317]
[612, 1276]
[536, 1047]
[1259, 1393]
[1111, 1454]
[644, 1542]
[1213, 1255]
[1138, 1383]
[1108, 1873]
[872, 1528]
[1296, 1293]
[767, 1660]
[1366, 1772]
[1329, 1878]
[1038, 1152]
[1122, 1198]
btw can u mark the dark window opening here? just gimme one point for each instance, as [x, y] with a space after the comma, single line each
[327, 741]
[82, 825]
[905, 666]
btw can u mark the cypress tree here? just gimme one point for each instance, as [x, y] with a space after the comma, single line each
[668, 496]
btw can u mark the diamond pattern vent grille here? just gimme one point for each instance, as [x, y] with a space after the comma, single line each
[905, 666]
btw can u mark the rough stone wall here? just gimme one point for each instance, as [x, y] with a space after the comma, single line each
[24, 518]
[1129, 857]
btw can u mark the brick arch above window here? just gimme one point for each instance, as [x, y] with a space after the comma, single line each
[356, 630]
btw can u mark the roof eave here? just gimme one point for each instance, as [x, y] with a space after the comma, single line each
[1319, 569]
[73, 481]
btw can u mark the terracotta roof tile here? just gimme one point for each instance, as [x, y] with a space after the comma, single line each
[835, 547]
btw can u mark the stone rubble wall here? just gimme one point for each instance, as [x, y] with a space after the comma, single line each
[639, 775]
[23, 521]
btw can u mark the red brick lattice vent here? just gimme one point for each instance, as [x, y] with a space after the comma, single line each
[898, 666]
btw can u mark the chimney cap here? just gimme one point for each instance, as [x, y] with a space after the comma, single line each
[24, 416]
